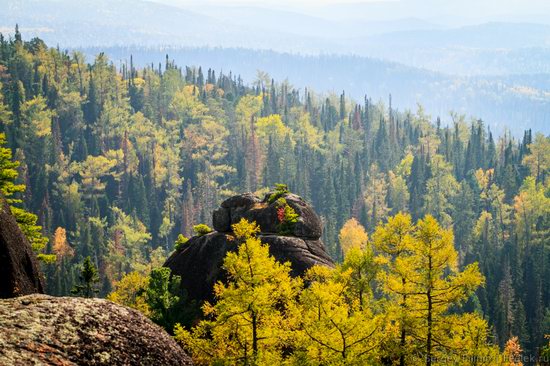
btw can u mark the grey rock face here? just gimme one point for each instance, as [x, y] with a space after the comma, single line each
[44, 330]
[221, 220]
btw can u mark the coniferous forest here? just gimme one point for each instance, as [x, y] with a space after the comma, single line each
[109, 169]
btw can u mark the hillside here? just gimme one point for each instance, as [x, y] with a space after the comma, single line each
[514, 102]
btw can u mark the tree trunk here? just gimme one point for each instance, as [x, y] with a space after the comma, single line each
[254, 335]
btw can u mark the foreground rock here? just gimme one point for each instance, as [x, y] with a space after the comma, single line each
[200, 261]
[40, 329]
[19, 273]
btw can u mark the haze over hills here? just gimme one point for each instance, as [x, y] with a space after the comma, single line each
[496, 70]
[410, 40]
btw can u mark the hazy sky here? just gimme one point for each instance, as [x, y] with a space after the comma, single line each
[482, 10]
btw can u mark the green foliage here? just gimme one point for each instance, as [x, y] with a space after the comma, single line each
[162, 295]
[202, 229]
[279, 191]
[8, 173]
[26, 220]
[166, 300]
[125, 249]
[286, 216]
[180, 242]
[88, 279]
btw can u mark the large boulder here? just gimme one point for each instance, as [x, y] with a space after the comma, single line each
[19, 273]
[45, 330]
[199, 262]
[264, 213]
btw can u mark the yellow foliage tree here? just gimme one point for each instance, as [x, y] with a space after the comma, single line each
[248, 107]
[422, 271]
[392, 241]
[61, 246]
[539, 159]
[529, 206]
[37, 117]
[92, 172]
[130, 291]
[251, 321]
[352, 235]
[272, 126]
[186, 106]
[336, 328]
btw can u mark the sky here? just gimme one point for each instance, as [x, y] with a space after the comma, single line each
[444, 10]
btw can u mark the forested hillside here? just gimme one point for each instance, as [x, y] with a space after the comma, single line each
[118, 162]
[513, 102]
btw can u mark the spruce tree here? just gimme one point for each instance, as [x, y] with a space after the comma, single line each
[88, 279]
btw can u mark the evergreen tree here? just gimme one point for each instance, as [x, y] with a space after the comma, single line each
[88, 279]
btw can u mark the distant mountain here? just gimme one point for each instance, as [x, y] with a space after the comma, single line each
[311, 26]
[122, 22]
[490, 48]
[484, 36]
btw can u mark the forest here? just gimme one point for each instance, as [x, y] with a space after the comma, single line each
[514, 101]
[108, 169]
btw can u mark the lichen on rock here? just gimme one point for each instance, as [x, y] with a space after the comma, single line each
[40, 329]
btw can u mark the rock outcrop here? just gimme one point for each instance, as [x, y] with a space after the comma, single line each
[19, 273]
[264, 214]
[40, 329]
[199, 262]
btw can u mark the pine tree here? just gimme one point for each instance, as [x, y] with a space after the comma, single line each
[88, 279]
[164, 297]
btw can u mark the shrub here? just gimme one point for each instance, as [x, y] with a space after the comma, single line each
[286, 216]
[280, 190]
[202, 229]
[180, 242]
[245, 229]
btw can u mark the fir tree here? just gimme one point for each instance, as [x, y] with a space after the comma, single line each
[88, 279]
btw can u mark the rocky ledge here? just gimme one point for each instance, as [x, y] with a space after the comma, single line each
[44, 330]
